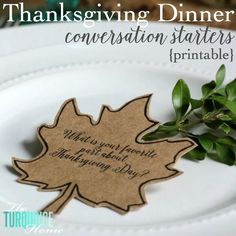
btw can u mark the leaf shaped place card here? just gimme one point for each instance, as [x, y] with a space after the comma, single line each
[103, 162]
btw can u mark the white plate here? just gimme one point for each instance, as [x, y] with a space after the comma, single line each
[36, 81]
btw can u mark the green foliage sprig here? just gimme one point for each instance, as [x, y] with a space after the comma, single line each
[210, 121]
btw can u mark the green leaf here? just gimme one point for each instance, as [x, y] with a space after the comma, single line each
[206, 142]
[224, 117]
[226, 128]
[228, 104]
[214, 112]
[221, 92]
[208, 88]
[231, 90]
[220, 76]
[231, 106]
[166, 128]
[218, 105]
[231, 115]
[225, 154]
[228, 141]
[169, 123]
[195, 104]
[208, 106]
[180, 99]
[163, 131]
[214, 124]
[198, 154]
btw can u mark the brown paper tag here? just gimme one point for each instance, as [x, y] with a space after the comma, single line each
[102, 163]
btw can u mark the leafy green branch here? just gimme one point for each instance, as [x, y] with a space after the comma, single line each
[214, 115]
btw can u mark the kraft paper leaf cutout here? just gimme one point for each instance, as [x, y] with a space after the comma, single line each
[103, 163]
